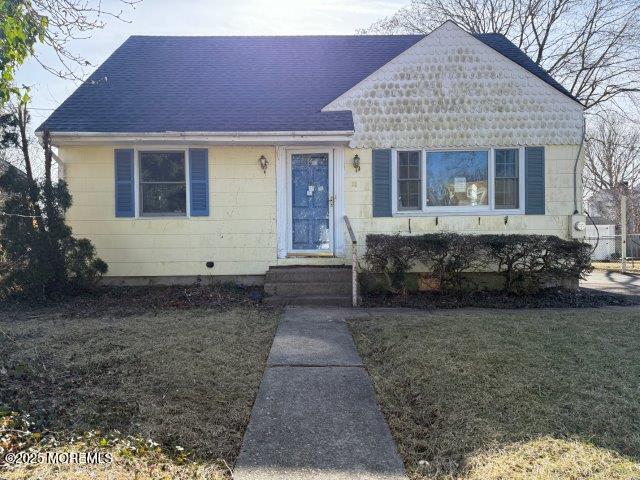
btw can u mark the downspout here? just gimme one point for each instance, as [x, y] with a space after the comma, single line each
[55, 157]
[60, 164]
[575, 168]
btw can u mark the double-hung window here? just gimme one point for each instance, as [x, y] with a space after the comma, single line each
[507, 179]
[409, 183]
[163, 184]
[172, 182]
[457, 181]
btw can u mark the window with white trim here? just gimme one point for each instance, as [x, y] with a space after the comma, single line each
[458, 181]
[507, 178]
[409, 184]
[163, 184]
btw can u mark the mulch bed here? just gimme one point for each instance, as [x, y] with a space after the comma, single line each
[548, 298]
[127, 301]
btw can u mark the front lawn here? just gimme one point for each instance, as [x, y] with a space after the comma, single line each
[633, 266]
[168, 392]
[509, 395]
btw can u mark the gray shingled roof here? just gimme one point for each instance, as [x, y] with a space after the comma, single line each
[236, 84]
[4, 166]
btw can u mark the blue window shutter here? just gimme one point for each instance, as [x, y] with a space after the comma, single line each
[125, 196]
[534, 180]
[199, 181]
[381, 183]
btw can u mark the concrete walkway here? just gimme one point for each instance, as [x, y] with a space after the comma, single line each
[316, 416]
[613, 282]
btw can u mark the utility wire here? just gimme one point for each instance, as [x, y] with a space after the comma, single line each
[18, 215]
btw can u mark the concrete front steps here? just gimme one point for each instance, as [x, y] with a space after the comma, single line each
[301, 285]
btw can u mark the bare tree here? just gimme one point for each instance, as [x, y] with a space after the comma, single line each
[67, 21]
[612, 167]
[18, 144]
[592, 47]
[612, 154]
[54, 25]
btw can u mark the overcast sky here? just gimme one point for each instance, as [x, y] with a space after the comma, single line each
[202, 17]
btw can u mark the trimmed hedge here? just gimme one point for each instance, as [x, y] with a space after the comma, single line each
[527, 262]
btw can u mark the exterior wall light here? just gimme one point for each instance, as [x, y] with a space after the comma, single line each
[356, 163]
[264, 163]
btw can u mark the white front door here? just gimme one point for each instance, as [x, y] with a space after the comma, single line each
[310, 208]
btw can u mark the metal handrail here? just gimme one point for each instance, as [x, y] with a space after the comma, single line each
[354, 263]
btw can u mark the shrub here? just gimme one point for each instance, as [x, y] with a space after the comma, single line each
[568, 259]
[39, 257]
[520, 258]
[527, 262]
[449, 255]
[392, 256]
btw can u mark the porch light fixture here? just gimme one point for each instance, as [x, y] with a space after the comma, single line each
[264, 163]
[356, 163]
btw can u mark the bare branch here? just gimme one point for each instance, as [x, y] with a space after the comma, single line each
[612, 167]
[592, 47]
[70, 20]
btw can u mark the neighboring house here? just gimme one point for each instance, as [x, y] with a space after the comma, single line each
[4, 166]
[227, 156]
[600, 226]
[601, 233]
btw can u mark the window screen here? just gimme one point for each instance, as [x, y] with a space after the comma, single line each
[409, 183]
[163, 187]
[507, 179]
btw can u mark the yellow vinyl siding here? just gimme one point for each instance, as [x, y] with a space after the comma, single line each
[239, 235]
[559, 206]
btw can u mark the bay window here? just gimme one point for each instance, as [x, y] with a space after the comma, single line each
[482, 181]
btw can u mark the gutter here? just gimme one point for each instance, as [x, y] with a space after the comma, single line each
[265, 138]
[296, 133]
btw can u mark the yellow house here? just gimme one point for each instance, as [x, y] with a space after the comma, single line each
[228, 156]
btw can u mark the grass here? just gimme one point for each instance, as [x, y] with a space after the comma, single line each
[633, 266]
[169, 392]
[509, 395]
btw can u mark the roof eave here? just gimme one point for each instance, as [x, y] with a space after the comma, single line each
[221, 138]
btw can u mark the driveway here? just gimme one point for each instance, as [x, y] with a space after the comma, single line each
[613, 282]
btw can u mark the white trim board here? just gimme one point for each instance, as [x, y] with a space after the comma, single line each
[328, 138]
[281, 201]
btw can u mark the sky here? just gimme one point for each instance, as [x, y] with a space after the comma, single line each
[200, 17]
